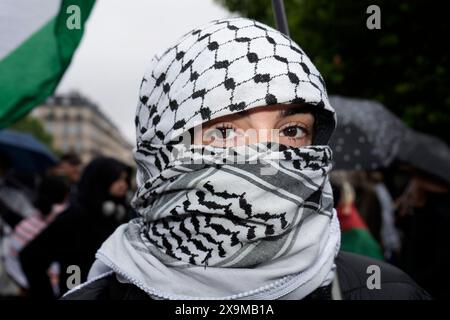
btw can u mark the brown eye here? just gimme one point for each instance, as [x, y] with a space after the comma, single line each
[294, 132]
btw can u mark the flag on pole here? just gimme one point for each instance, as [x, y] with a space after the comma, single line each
[37, 41]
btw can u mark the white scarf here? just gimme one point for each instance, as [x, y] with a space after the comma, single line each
[215, 230]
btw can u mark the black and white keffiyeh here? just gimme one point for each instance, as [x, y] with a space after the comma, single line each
[212, 227]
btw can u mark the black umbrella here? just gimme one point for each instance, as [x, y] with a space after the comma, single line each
[352, 150]
[368, 136]
[426, 153]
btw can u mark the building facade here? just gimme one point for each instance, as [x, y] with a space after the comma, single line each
[79, 126]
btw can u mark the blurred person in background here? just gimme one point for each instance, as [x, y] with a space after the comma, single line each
[375, 206]
[356, 236]
[424, 218]
[75, 235]
[367, 202]
[52, 196]
[16, 203]
[389, 235]
[70, 167]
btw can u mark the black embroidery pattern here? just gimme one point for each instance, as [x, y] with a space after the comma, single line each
[228, 66]
[230, 209]
[216, 212]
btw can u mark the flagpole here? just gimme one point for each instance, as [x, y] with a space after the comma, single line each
[280, 16]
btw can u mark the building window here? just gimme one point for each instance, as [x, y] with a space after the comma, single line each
[78, 128]
[65, 145]
[50, 116]
[66, 117]
[79, 146]
[65, 101]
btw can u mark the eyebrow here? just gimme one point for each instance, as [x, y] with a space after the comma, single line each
[300, 109]
[307, 108]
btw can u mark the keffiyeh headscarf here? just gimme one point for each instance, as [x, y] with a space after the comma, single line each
[212, 227]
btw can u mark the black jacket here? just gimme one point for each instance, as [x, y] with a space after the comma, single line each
[351, 270]
[426, 248]
[73, 238]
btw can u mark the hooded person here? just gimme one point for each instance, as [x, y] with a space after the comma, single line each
[211, 227]
[52, 196]
[72, 239]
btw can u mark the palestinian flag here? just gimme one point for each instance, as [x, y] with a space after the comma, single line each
[37, 41]
[355, 235]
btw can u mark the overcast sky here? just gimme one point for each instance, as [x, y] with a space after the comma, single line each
[121, 37]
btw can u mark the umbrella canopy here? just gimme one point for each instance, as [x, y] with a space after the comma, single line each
[426, 153]
[352, 150]
[368, 136]
[25, 152]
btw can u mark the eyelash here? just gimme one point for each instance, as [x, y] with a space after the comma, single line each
[227, 126]
[295, 125]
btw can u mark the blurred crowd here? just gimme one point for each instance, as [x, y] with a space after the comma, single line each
[53, 223]
[399, 215]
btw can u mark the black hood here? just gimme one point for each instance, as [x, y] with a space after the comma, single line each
[97, 177]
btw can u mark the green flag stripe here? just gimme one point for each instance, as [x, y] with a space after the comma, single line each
[30, 73]
[360, 241]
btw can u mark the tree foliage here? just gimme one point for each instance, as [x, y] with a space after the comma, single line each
[404, 65]
[34, 127]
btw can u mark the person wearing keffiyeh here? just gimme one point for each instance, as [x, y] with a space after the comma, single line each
[225, 215]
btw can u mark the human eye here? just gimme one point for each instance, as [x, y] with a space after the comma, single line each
[222, 131]
[293, 131]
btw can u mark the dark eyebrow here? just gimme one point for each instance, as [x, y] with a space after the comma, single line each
[304, 108]
[300, 109]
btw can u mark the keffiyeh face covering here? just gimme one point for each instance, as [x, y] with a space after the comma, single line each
[212, 227]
